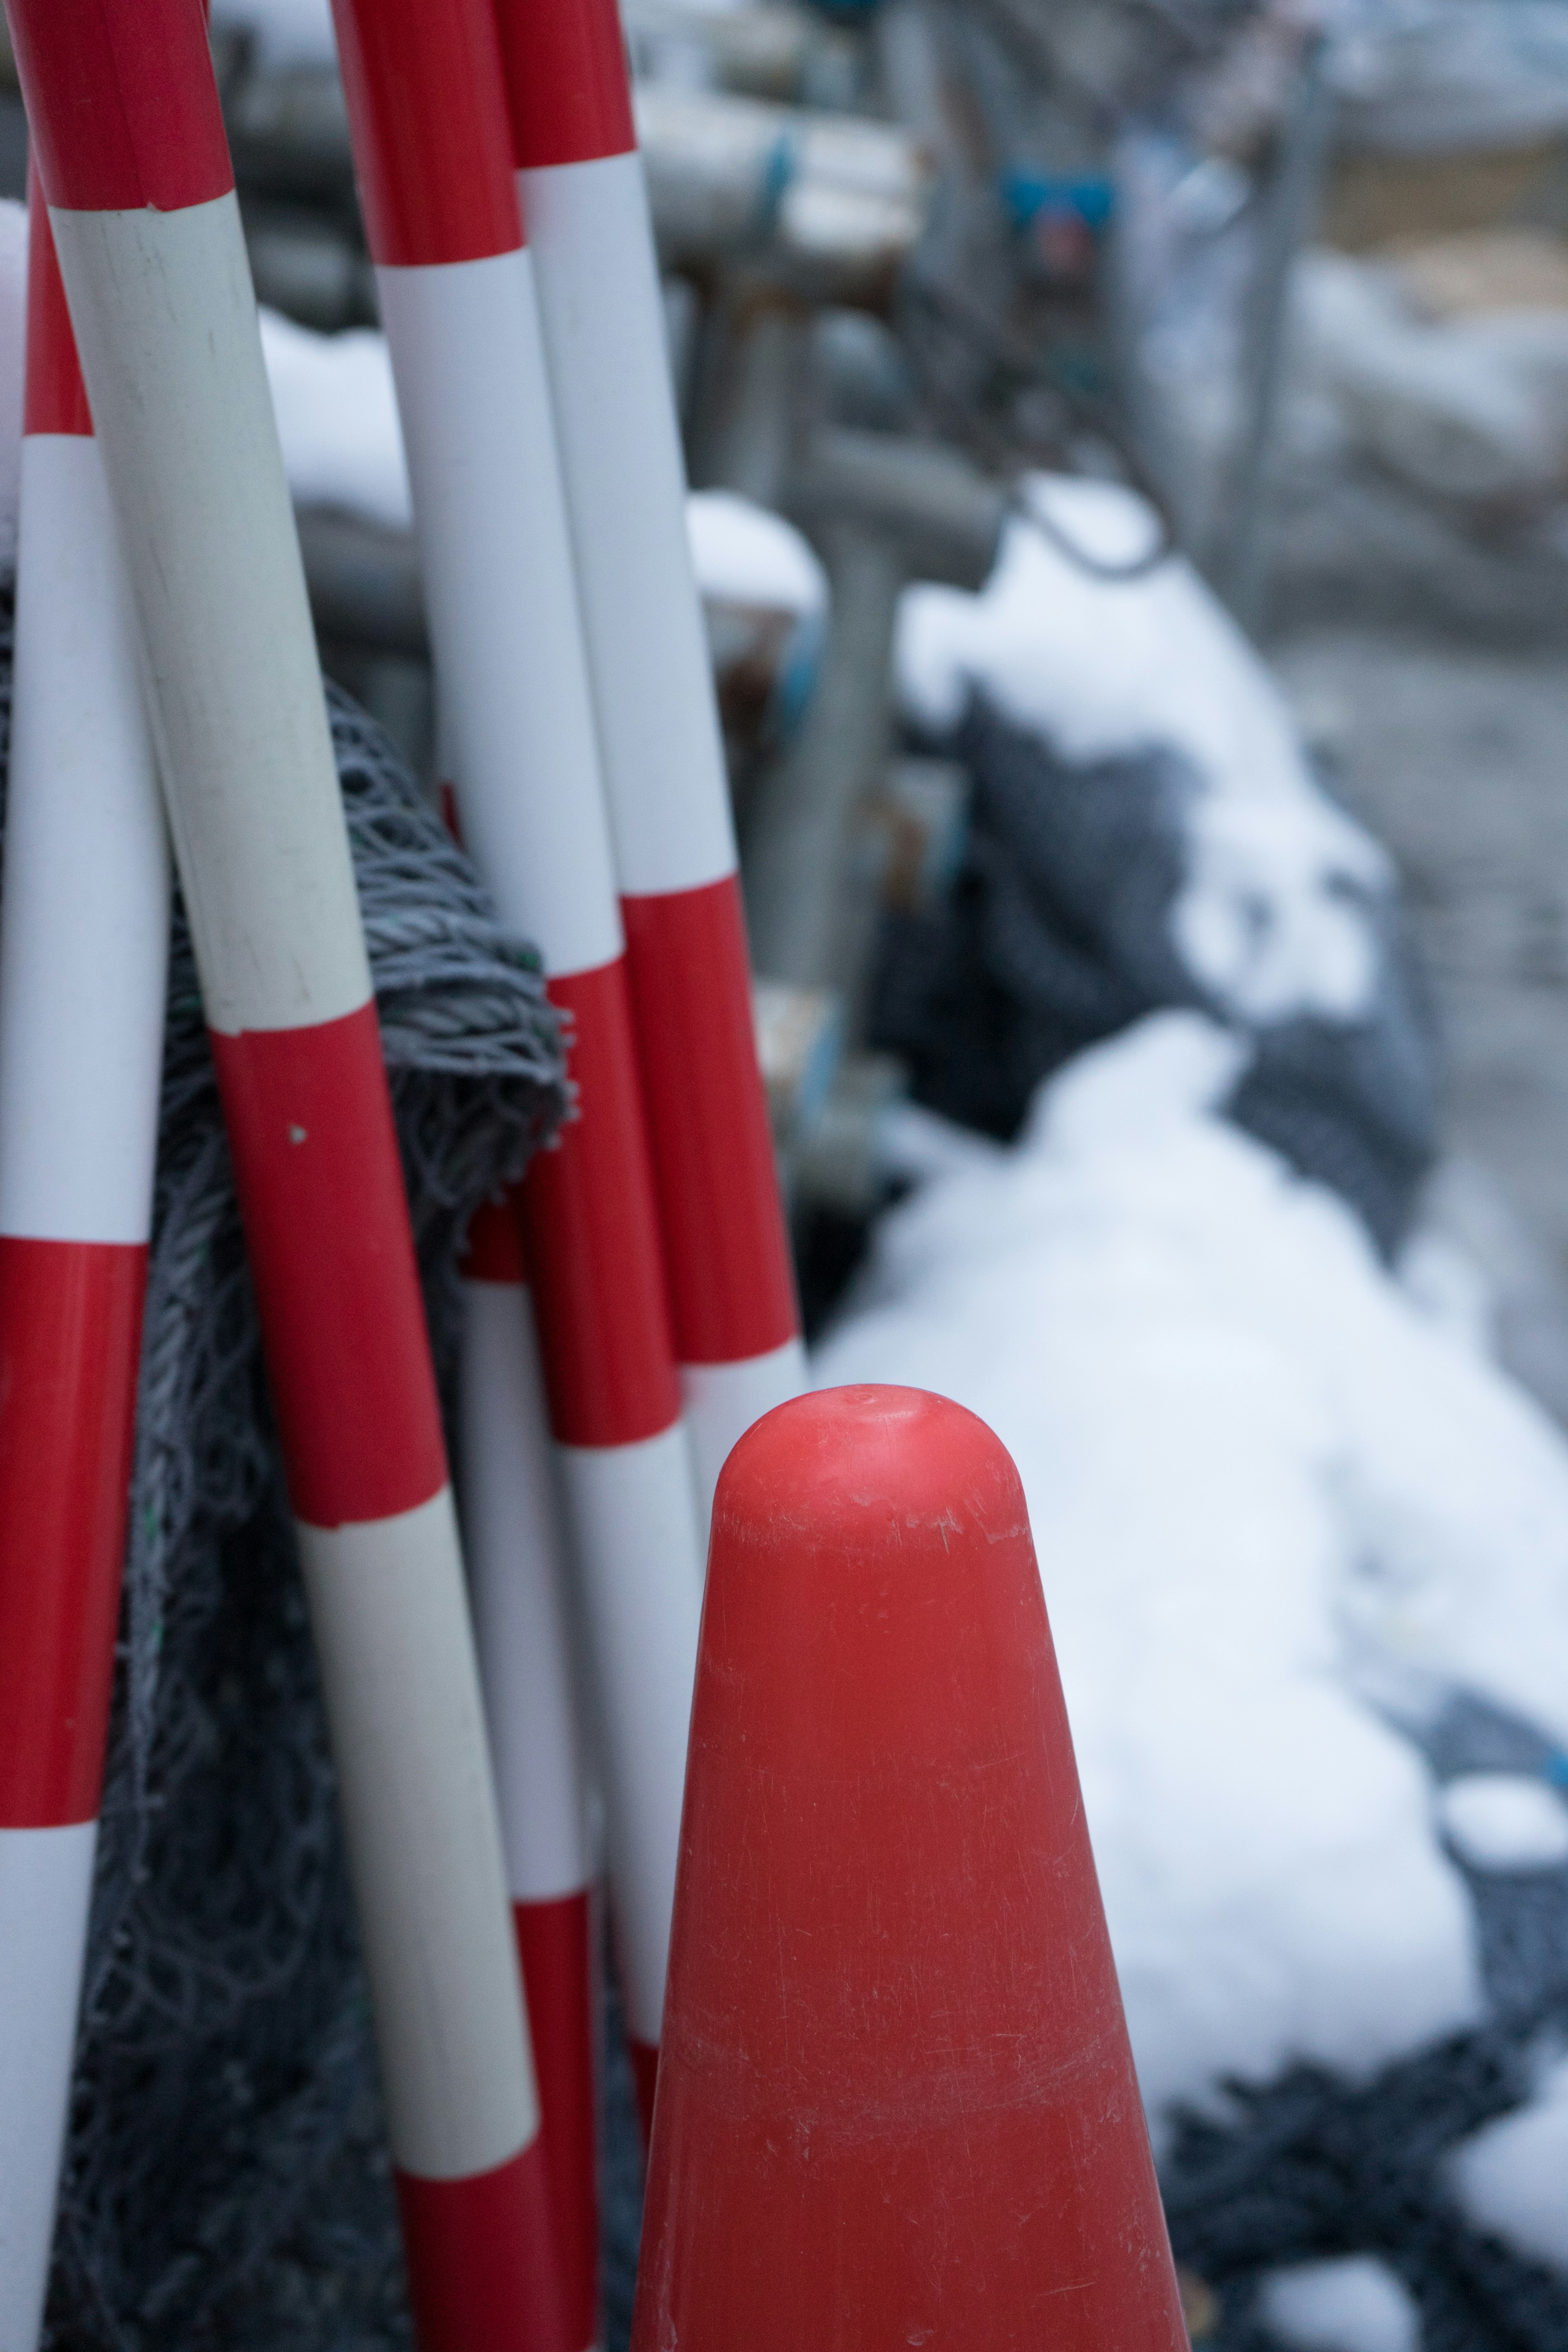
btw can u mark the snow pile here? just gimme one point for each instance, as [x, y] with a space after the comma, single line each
[1278, 1512]
[747, 555]
[1504, 1821]
[1326, 2306]
[1270, 919]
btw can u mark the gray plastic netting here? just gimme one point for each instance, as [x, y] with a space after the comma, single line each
[1058, 933]
[225, 2181]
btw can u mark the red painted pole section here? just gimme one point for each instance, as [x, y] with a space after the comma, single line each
[127, 129]
[733, 1289]
[429, 119]
[516, 1550]
[896, 2101]
[83, 952]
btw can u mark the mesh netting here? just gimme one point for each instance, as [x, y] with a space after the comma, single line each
[226, 2181]
[1057, 934]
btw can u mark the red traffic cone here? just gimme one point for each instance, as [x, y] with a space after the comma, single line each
[896, 2098]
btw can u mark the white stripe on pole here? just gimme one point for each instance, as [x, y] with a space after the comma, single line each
[84, 944]
[45, 1888]
[165, 322]
[427, 114]
[632, 1504]
[592, 244]
[724, 1400]
[402, 1686]
[496, 561]
[515, 1545]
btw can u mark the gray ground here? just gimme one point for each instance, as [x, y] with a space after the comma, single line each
[1433, 677]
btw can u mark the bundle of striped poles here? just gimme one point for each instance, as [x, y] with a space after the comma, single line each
[588, 784]
[83, 950]
[580, 177]
[133, 159]
[542, 718]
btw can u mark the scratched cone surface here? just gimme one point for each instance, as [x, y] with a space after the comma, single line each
[896, 2099]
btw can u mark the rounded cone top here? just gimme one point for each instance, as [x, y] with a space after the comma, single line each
[896, 2100]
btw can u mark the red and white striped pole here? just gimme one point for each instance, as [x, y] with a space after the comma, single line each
[515, 1546]
[127, 130]
[83, 956]
[427, 114]
[580, 178]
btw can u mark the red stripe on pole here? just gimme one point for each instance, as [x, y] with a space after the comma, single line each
[493, 1251]
[56, 398]
[121, 103]
[482, 2263]
[326, 1222]
[566, 80]
[431, 136]
[591, 1231]
[553, 1942]
[731, 1281]
[70, 1334]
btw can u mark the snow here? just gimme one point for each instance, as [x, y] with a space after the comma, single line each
[1353, 2306]
[745, 554]
[1273, 1503]
[1513, 2176]
[1272, 917]
[1504, 1821]
[337, 418]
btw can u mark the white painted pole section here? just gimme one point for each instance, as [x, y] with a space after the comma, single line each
[630, 1503]
[515, 1544]
[166, 324]
[45, 1889]
[85, 941]
[666, 784]
[515, 1541]
[625, 476]
[402, 1686]
[516, 711]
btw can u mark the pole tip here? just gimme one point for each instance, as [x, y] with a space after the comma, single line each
[896, 2099]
